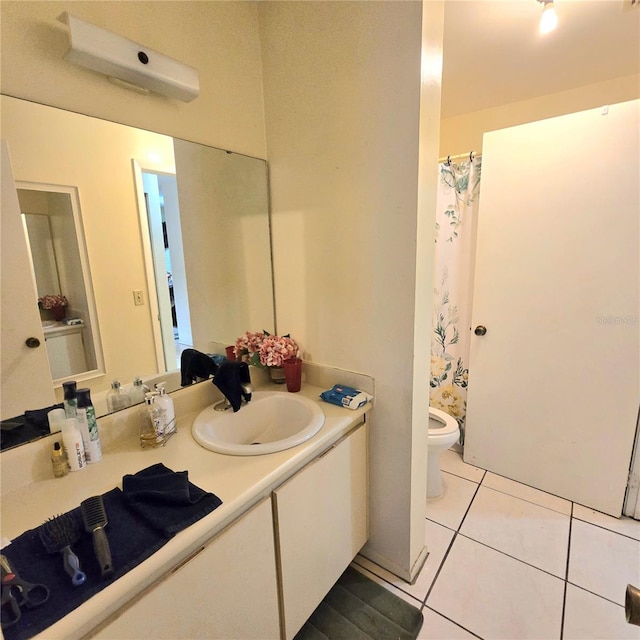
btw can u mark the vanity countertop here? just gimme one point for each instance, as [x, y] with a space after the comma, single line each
[240, 482]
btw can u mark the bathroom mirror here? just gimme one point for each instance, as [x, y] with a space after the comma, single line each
[177, 238]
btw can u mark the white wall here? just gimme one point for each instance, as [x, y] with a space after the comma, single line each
[342, 106]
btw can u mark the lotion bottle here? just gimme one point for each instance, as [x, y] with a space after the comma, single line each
[72, 441]
[165, 403]
[89, 427]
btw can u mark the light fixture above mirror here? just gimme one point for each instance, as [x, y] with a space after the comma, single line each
[128, 63]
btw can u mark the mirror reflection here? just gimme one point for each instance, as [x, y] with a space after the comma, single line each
[172, 249]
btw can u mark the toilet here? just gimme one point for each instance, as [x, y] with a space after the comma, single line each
[443, 432]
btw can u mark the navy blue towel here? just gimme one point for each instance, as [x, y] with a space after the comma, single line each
[195, 364]
[159, 503]
[229, 379]
[166, 499]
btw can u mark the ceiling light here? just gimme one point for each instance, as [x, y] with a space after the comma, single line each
[548, 19]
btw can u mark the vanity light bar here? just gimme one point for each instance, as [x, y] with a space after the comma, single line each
[128, 63]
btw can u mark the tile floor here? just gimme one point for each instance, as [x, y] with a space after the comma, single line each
[510, 562]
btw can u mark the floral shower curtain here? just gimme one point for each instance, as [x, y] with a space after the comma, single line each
[456, 217]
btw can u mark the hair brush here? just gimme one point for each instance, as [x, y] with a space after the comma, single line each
[57, 535]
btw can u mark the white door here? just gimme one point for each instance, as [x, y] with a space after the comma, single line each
[25, 375]
[554, 383]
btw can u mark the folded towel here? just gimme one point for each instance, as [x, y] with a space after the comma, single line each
[195, 364]
[131, 541]
[39, 418]
[229, 379]
[166, 499]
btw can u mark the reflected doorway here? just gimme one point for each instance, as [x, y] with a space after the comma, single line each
[163, 216]
[54, 235]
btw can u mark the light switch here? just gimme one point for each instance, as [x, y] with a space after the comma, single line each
[138, 297]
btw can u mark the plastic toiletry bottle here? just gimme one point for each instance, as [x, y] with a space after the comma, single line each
[59, 461]
[152, 423]
[166, 403]
[70, 399]
[117, 398]
[72, 441]
[137, 391]
[56, 418]
[89, 427]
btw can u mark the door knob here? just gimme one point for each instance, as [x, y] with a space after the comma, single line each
[32, 343]
[480, 330]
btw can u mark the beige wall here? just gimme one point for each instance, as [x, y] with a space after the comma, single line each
[342, 105]
[346, 128]
[220, 39]
[461, 134]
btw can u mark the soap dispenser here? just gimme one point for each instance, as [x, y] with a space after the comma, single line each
[138, 391]
[117, 398]
[165, 402]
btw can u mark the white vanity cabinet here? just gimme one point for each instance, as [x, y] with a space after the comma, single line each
[264, 575]
[321, 524]
[228, 590]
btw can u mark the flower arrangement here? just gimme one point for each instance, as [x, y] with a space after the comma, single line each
[52, 301]
[265, 350]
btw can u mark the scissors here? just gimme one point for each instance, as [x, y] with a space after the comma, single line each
[17, 593]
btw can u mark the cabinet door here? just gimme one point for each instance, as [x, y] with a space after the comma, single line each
[228, 591]
[321, 520]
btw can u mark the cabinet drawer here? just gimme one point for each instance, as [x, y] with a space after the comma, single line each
[322, 523]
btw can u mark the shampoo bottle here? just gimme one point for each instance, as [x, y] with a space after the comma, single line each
[165, 402]
[72, 441]
[89, 427]
[117, 398]
[70, 400]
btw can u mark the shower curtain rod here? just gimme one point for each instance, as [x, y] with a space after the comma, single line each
[448, 159]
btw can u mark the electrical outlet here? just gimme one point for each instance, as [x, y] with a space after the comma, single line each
[138, 297]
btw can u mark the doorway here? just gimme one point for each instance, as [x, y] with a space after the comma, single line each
[169, 274]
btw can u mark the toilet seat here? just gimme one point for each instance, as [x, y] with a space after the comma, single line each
[449, 424]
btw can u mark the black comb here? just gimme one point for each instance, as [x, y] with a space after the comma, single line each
[95, 520]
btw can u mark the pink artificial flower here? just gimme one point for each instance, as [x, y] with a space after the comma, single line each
[274, 350]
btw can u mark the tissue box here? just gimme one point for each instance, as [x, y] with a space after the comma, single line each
[345, 396]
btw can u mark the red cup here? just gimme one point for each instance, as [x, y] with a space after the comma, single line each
[230, 353]
[293, 374]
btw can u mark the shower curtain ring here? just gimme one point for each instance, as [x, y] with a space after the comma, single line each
[448, 161]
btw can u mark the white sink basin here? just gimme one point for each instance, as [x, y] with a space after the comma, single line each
[272, 421]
